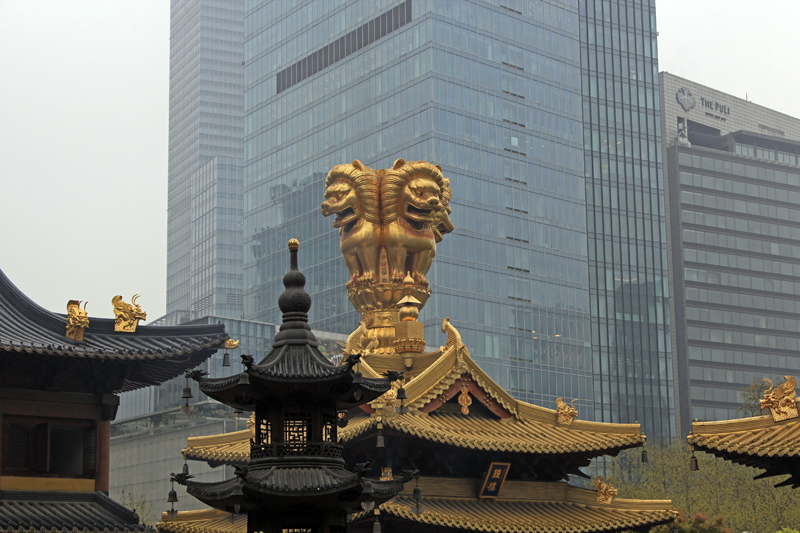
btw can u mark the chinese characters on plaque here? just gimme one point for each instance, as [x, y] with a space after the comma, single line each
[494, 480]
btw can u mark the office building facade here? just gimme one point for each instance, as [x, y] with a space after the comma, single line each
[626, 224]
[497, 94]
[204, 240]
[734, 226]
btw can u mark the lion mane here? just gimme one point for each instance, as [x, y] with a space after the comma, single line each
[366, 184]
[400, 174]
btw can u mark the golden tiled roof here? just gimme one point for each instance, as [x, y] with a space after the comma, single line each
[529, 516]
[205, 521]
[487, 434]
[531, 505]
[450, 502]
[758, 436]
[225, 448]
[758, 441]
[527, 428]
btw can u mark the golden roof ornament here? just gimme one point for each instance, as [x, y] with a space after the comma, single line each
[781, 401]
[77, 320]
[566, 412]
[355, 342]
[127, 315]
[453, 336]
[605, 492]
[231, 344]
[465, 400]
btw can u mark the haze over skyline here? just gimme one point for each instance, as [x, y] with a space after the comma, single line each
[84, 89]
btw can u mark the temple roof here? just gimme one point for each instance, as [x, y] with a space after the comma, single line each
[759, 442]
[519, 427]
[485, 434]
[553, 516]
[153, 354]
[523, 506]
[22, 511]
[269, 489]
[296, 362]
[204, 521]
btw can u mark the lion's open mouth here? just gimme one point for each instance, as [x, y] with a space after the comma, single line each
[345, 217]
[341, 215]
[418, 211]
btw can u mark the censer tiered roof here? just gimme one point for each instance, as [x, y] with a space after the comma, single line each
[445, 415]
[295, 477]
[770, 442]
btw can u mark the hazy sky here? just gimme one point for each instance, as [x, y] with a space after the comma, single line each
[84, 89]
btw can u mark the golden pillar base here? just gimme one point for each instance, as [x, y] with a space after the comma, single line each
[377, 303]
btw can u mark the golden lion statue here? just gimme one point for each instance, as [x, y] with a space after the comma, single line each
[127, 315]
[352, 194]
[411, 199]
[77, 320]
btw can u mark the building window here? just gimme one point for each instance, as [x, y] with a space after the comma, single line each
[54, 447]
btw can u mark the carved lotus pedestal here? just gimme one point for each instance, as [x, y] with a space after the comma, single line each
[378, 304]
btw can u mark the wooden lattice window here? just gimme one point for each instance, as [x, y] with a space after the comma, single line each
[328, 428]
[18, 439]
[297, 427]
[264, 432]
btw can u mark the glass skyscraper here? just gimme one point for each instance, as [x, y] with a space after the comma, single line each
[204, 241]
[497, 94]
[628, 281]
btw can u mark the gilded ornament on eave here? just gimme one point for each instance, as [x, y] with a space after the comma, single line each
[781, 401]
[77, 320]
[127, 315]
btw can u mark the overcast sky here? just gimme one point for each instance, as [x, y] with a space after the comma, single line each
[84, 89]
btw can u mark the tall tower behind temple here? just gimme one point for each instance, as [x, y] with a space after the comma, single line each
[500, 95]
[204, 243]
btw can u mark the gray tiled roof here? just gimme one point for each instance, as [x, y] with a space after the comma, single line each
[298, 361]
[156, 353]
[280, 480]
[65, 511]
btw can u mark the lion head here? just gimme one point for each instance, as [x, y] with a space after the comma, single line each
[412, 190]
[351, 193]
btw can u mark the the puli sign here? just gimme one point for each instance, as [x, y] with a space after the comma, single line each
[685, 98]
[716, 106]
[713, 109]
